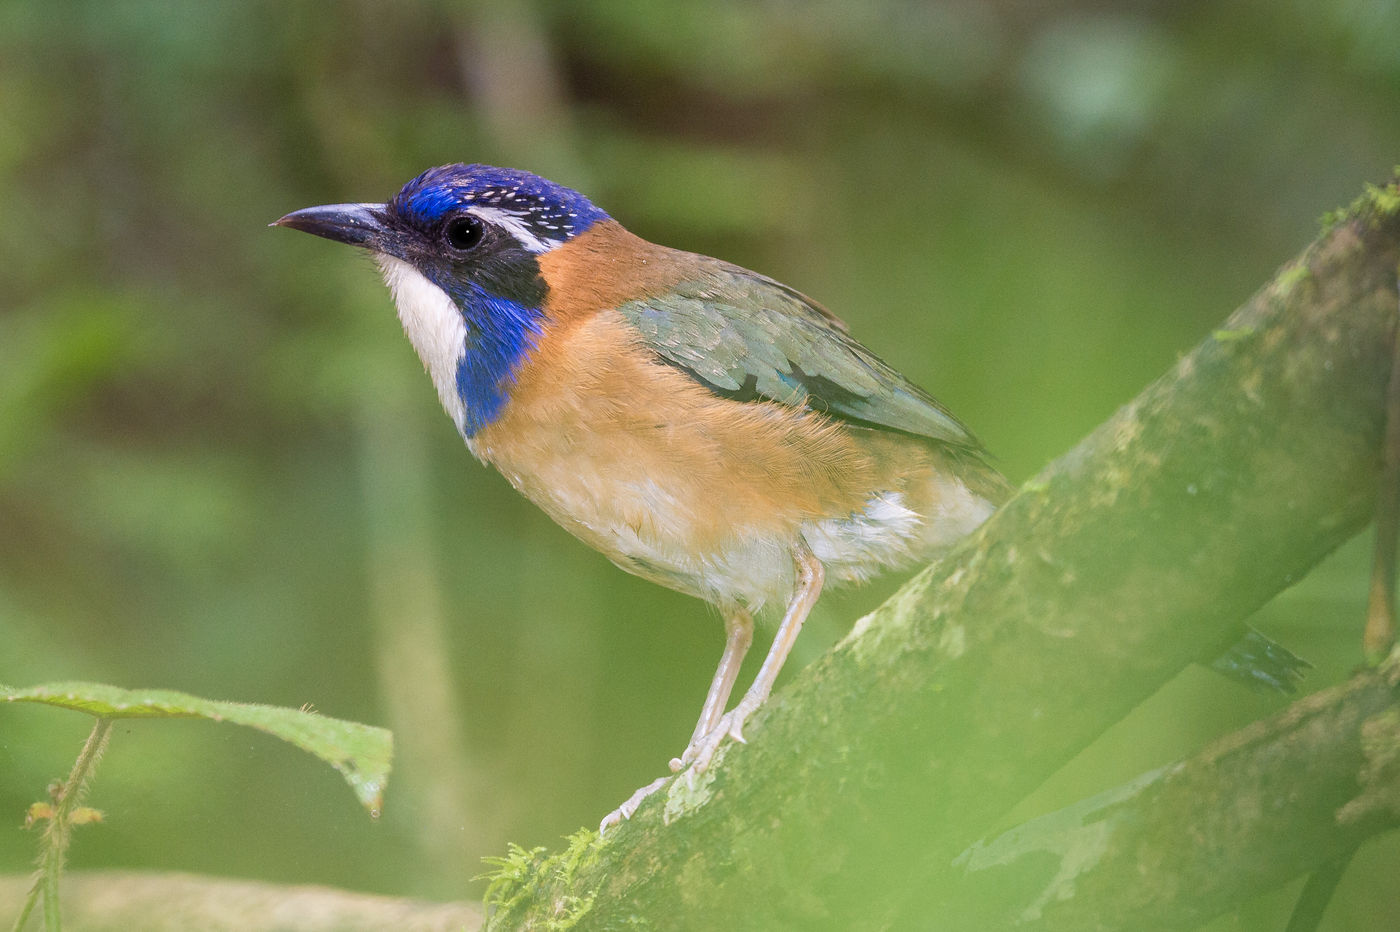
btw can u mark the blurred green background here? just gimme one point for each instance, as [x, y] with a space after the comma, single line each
[222, 470]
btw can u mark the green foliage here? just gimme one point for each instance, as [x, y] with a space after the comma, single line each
[362, 753]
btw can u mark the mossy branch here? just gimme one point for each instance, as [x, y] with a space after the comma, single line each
[1130, 557]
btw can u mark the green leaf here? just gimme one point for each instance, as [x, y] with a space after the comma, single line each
[362, 753]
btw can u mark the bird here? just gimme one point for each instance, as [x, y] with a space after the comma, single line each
[701, 425]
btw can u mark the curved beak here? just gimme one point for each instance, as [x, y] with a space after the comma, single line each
[356, 224]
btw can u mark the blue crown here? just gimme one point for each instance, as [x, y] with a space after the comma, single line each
[550, 211]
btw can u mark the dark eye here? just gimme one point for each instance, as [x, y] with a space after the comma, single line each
[462, 233]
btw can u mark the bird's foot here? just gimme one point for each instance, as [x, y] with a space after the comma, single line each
[625, 811]
[702, 750]
[697, 757]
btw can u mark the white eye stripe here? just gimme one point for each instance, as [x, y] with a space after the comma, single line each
[515, 226]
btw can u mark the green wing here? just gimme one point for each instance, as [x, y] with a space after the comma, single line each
[747, 337]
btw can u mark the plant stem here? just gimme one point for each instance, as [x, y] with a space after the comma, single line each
[54, 845]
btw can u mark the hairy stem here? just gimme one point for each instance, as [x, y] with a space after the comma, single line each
[54, 845]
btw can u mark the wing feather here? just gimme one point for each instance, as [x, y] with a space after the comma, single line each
[748, 337]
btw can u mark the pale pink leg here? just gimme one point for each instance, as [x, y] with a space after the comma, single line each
[738, 635]
[810, 576]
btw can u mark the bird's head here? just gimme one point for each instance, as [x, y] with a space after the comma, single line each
[459, 221]
[459, 248]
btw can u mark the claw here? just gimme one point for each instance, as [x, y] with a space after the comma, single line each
[702, 751]
[625, 811]
[697, 757]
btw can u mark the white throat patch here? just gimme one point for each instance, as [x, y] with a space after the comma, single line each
[434, 326]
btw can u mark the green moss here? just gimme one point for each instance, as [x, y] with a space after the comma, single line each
[524, 878]
[691, 791]
[1387, 200]
[505, 884]
[1292, 277]
[1233, 336]
[568, 911]
[1376, 203]
[583, 844]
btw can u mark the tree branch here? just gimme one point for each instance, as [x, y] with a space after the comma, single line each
[1184, 843]
[1130, 557]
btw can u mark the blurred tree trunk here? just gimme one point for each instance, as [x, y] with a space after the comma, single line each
[867, 783]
